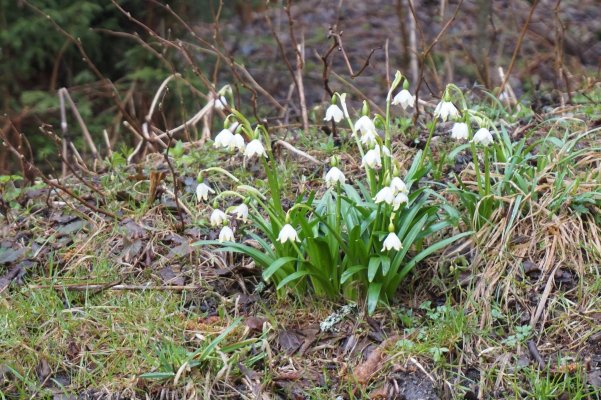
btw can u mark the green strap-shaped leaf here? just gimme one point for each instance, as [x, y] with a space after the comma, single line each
[292, 277]
[373, 296]
[276, 265]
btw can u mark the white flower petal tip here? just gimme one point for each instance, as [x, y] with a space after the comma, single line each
[220, 103]
[372, 159]
[368, 138]
[255, 148]
[391, 242]
[400, 198]
[237, 142]
[365, 125]
[241, 212]
[446, 109]
[398, 186]
[223, 138]
[483, 137]
[202, 191]
[335, 176]
[288, 234]
[459, 131]
[334, 113]
[386, 195]
[404, 98]
[226, 235]
[217, 217]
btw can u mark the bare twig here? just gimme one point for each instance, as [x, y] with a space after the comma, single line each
[518, 45]
[297, 151]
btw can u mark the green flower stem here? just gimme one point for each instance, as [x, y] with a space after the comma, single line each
[486, 172]
[427, 146]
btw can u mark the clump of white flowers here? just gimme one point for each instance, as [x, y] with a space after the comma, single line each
[334, 177]
[202, 191]
[334, 113]
[288, 234]
[255, 148]
[459, 131]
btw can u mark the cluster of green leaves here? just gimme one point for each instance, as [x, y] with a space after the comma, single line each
[341, 234]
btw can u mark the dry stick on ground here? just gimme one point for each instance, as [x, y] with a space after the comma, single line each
[62, 94]
[297, 151]
[112, 286]
[518, 45]
[300, 64]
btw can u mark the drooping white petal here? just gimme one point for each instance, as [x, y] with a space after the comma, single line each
[202, 191]
[372, 159]
[365, 125]
[288, 233]
[404, 98]
[223, 138]
[400, 198]
[459, 131]
[334, 176]
[446, 109]
[220, 103]
[226, 234]
[255, 148]
[483, 137]
[368, 138]
[237, 142]
[334, 113]
[392, 241]
[217, 217]
[241, 212]
[397, 185]
[385, 195]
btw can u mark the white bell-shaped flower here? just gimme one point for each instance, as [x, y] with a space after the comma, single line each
[202, 191]
[459, 131]
[404, 98]
[397, 185]
[446, 109]
[334, 113]
[241, 212]
[372, 159]
[400, 198]
[334, 176]
[217, 217]
[223, 138]
[220, 102]
[288, 233]
[226, 234]
[237, 142]
[255, 148]
[365, 125]
[385, 195]
[392, 241]
[368, 138]
[483, 137]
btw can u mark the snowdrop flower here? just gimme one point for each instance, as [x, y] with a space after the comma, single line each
[334, 113]
[241, 212]
[483, 137]
[399, 199]
[365, 125]
[459, 131]
[334, 176]
[220, 103]
[255, 148]
[386, 195]
[446, 109]
[368, 138]
[398, 186]
[288, 233]
[223, 138]
[382, 150]
[217, 217]
[404, 98]
[392, 241]
[226, 235]
[237, 142]
[372, 159]
[203, 190]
